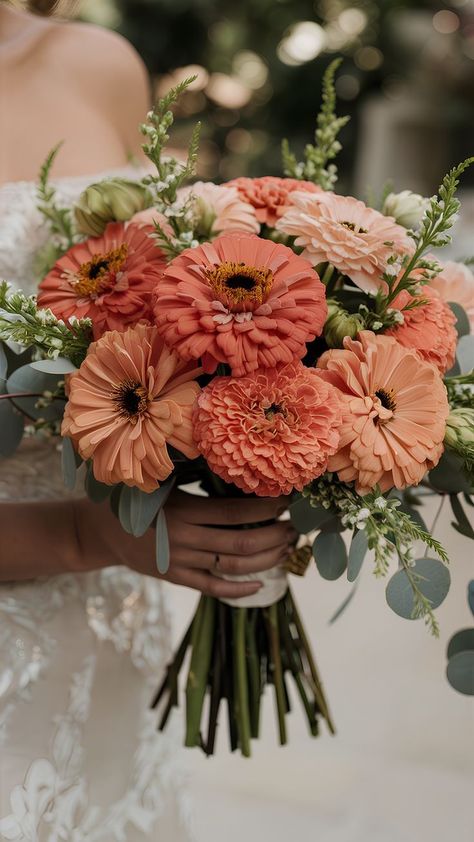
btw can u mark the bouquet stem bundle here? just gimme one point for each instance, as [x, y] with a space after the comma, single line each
[235, 654]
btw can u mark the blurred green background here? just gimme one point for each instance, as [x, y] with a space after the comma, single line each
[407, 79]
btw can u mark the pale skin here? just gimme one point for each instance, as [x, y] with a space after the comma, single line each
[88, 87]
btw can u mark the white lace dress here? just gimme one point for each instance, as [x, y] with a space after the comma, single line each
[80, 655]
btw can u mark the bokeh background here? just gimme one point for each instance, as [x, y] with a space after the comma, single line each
[400, 769]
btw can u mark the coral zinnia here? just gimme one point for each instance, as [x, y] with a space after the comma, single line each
[395, 411]
[240, 300]
[428, 328]
[456, 283]
[343, 231]
[108, 279]
[219, 209]
[269, 195]
[269, 432]
[130, 398]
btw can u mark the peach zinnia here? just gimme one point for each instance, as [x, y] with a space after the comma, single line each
[394, 415]
[343, 231]
[269, 195]
[428, 328]
[270, 432]
[240, 300]
[131, 397]
[456, 283]
[108, 279]
[218, 209]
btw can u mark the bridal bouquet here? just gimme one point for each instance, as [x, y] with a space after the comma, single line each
[265, 336]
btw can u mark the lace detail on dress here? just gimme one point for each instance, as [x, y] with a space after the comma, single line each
[80, 759]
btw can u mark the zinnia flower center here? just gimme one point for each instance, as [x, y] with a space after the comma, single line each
[353, 227]
[387, 399]
[274, 409]
[236, 283]
[100, 273]
[131, 399]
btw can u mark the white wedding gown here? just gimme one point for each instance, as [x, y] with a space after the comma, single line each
[80, 656]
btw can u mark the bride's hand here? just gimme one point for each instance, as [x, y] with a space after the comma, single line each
[197, 547]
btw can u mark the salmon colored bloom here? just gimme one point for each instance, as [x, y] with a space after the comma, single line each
[428, 328]
[394, 416]
[108, 279]
[131, 397]
[269, 195]
[456, 283]
[270, 432]
[219, 210]
[148, 218]
[343, 231]
[240, 300]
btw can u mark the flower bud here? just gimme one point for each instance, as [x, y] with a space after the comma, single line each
[112, 200]
[341, 324]
[406, 207]
[460, 429]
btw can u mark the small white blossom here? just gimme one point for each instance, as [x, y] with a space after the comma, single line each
[407, 208]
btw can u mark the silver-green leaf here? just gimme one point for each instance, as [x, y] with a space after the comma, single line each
[330, 555]
[357, 552]
[162, 544]
[432, 579]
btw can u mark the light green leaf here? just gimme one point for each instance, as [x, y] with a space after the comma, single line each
[97, 491]
[306, 518]
[432, 579]
[125, 507]
[11, 428]
[462, 325]
[59, 366]
[162, 544]
[460, 672]
[357, 552]
[330, 555]
[3, 363]
[27, 379]
[144, 507]
[462, 641]
[463, 524]
[465, 354]
[69, 463]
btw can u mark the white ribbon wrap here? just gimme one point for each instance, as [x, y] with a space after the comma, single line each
[274, 586]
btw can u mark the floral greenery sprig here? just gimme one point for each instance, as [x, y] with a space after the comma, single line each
[31, 327]
[432, 233]
[390, 533]
[60, 219]
[316, 166]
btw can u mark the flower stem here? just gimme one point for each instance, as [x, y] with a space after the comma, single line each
[201, 642]
[239, 616]
[271, 616]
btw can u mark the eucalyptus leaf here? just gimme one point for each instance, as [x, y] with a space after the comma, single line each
[144, 507]
[343, 604]
[414, 514]
[11, 428]
[357, 551]
[461, 517]
[462, 325]
[462, 641]
[330, 555]
[306, 518]
[470, 595]
[27, 379]
[460, 672]
[465, 354]
[3, 363]
[448, 475]
[97, 491]
[59, 366]
[125, 508]
[69, 463]
[162, 544]
[455, 369]
[433, 581]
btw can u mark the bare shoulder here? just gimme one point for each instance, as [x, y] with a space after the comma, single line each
[107, 68]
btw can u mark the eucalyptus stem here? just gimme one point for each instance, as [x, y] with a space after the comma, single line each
[274, 639]
[296, 669]
[254, 674]
[172, 672]
[201, 642]
[239, 616]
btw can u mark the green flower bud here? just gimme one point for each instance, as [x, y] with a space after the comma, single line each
[340, 324]
[407, 208]
[459, 434]
[111, 200]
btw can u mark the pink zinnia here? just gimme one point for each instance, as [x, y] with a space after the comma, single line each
[269, 195]
[428, 328]
[219, 210]
[240, 300]
[343, 231]
[456, 283]
[270, 432]
[131, 397]
[394, 412]
[108, 279]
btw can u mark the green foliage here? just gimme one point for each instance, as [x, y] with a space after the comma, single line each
[59, 219]
[316, 166]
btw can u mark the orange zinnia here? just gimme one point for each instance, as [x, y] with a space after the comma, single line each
[131, 397]
[240, 300]
[269, 195]
[394, 414]
[429, 328]
[108, 279]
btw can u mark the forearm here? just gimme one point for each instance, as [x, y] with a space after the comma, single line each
[49, 537]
